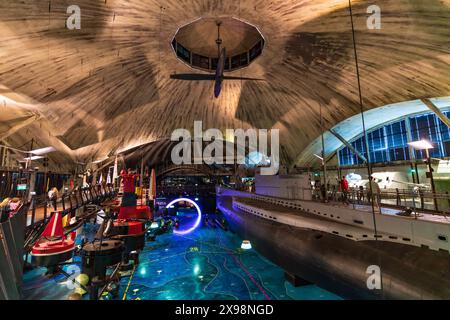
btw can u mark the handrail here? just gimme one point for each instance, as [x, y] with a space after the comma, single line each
[417, 201]
[72, 200]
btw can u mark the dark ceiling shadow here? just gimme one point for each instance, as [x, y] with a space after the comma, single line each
[79, 136]
[152, 154]
[95, 15]
[107, 93]
[159, 152]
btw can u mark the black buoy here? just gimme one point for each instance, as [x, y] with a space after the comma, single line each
[98, 255]
[94, 288]
[132, 233]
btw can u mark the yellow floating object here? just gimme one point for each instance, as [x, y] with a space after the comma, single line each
[80, 291]
[82, 279]
[65, 220]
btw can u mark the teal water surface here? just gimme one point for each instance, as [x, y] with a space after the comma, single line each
[207, 264]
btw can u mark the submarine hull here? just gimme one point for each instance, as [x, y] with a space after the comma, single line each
[341, 265]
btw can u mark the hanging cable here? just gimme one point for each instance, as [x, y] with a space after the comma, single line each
[159, 78]
[361, 103]
[366, 143]
[324, 165]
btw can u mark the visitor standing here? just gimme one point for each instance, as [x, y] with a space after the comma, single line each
[344, 190]
[53, 197]
[374, 193]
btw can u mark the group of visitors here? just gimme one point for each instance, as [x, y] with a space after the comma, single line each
[372, 188]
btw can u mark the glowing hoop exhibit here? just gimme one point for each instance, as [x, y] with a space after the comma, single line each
[199, 215]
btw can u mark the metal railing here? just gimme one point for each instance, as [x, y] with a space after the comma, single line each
[416, 200]
[42, 206]
[402, 199]
[40, 213]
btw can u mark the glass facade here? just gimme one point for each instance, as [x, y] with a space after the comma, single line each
[210, 63]
[390, 142]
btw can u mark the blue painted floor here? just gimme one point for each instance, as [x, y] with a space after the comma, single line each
[205, 264]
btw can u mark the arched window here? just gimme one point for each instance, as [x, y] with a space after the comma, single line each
[389, 142]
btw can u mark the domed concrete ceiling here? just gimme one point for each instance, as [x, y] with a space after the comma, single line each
[110, 85]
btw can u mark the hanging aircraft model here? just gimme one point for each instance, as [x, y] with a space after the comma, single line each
[219, 76]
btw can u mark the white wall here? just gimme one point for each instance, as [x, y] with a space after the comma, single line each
[396, 174]
[287, 187]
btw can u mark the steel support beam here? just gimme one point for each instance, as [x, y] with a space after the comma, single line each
[437, 111]
[348, 145]
[21, 124]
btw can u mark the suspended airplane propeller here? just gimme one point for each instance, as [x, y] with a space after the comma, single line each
[219, 76]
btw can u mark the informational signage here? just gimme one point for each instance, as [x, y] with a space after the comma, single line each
[21, 187]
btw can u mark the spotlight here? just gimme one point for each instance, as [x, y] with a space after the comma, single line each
[154, 225]
[246, 245]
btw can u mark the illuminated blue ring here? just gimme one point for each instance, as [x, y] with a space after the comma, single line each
[199, 215]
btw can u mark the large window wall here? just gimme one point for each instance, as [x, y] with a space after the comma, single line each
[389, 142]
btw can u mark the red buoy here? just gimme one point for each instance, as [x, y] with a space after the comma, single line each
[53, 247]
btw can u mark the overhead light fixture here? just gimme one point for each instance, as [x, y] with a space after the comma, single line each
[246, 245]
[33, 158]
[318, 157]
[42, 151]
[421, 145]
